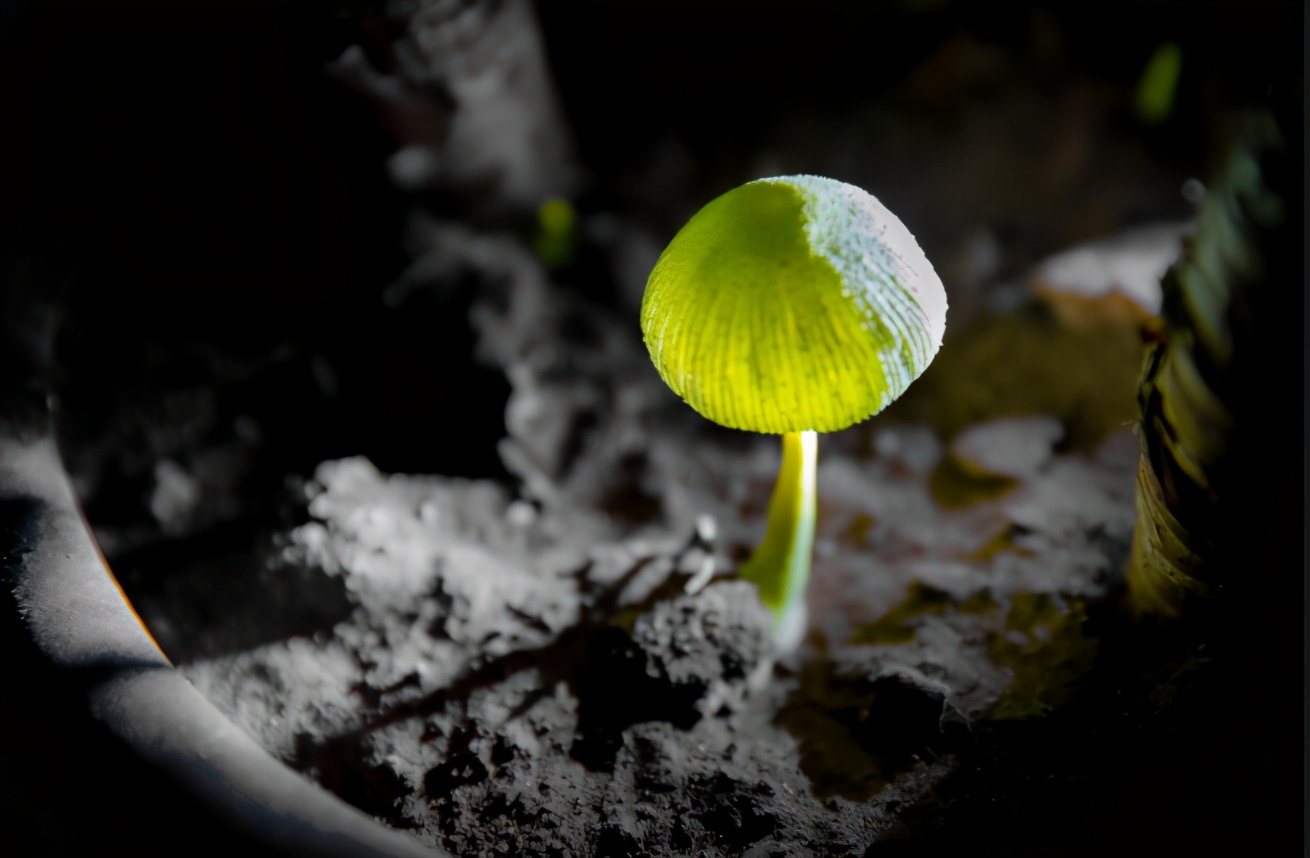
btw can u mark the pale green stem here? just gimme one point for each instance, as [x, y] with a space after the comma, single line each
[781, 565]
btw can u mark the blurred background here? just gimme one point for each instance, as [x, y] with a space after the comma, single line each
[231, 189]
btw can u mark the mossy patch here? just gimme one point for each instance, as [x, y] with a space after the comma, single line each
[1045, 646]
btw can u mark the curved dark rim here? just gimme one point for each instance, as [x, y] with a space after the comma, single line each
[81, 620]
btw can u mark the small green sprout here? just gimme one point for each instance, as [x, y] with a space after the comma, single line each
[554, 240]
[792, 306]
[1158, 86]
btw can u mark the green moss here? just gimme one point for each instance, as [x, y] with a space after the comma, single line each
[954, 485]
[1039, 360]
[998, 544]
[897, 626]
[1045, 647]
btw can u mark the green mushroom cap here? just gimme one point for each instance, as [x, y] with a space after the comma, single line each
[792, 304]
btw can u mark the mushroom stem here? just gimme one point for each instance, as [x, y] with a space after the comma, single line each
[780, 566]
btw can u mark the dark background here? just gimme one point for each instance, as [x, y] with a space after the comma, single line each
[209, 178]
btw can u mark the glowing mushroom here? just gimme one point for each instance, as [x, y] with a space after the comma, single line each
[792, 306]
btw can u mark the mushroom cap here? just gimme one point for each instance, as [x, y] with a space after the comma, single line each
[791, 304]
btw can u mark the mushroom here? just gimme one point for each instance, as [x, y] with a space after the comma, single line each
[793, 306]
